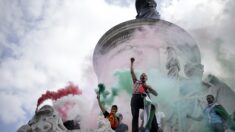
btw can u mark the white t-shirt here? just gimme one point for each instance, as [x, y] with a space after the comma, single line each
[159, 116]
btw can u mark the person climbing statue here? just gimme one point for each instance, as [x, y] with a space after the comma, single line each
[140, 90]
[111, 116]
[216, 115]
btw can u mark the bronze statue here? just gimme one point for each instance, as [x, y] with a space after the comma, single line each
[146, 9]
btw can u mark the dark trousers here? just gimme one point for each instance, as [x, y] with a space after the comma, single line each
[217, 127]
[154, 127]
[137, 103]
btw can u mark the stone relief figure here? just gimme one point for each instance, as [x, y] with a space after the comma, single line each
[48, 120]
[45, 120]
[172, 64]
[103, 125]
[193, 87]
[146, 9]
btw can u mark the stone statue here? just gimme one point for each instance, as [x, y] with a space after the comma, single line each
[146, 9]
[45, 120]
[172, 64]
[103, 125]
[48, 120]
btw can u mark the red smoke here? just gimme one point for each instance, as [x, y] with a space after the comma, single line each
[70, 89]
[63, 110]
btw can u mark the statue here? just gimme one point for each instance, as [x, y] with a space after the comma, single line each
[179, 72]
[146, 9]
[172, 64]
[45, 120]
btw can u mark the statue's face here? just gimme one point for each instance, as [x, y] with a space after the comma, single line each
[193, 70]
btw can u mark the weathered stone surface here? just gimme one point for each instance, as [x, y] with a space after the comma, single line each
[45, 120]
[48, 120]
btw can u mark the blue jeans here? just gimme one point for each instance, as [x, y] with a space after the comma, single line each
[217, 127]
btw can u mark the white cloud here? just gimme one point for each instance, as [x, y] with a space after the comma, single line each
[54, 40]
[193, 14]
[11, 108]
[49, 42]
[211, 25]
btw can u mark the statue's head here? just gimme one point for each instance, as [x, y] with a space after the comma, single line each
[146, 9]
[146, 3]
[193, 70]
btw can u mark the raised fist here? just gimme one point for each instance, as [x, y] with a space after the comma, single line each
[188, 116]
[132, 59]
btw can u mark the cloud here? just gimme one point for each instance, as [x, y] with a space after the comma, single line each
[122, 3]
[45, 43]
[211, 25]
[10, 112]
[193, 14]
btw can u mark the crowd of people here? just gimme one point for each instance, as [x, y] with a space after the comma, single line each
[152, 120]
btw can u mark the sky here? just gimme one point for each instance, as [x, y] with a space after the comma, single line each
[44, 44]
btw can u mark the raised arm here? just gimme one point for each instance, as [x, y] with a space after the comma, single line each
[199, 118]
[100, 105]
[151, 90]
[134, 79]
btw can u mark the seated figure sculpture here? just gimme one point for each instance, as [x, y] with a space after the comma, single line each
[146, 9]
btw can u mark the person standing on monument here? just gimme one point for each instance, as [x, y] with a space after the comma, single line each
[111, 116]
[216, 115]
[140, 91]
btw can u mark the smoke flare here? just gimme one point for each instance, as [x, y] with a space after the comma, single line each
[70, 89]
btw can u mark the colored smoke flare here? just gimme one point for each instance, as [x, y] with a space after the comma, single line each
[70, 89]
[106, 97]
[63, 110]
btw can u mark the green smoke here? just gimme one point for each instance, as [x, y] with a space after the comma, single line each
[166, 88]
[124, 81]
[172, 96]
[124, 84]
[105, 97]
